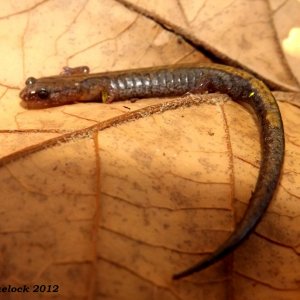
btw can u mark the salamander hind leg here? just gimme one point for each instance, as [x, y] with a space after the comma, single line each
[81, 70]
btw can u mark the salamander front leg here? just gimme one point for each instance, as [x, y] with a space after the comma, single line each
[81, 70]
[108, 96]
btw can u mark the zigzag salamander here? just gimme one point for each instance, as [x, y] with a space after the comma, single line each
[77, 85]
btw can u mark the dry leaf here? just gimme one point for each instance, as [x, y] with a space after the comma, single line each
[108, 201]
[285, 15]
[241, 32]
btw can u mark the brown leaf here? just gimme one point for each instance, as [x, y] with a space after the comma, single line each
[108, 201]
[240, 32]
[287, 24]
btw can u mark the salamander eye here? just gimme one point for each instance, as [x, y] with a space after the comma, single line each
[30, 81]
[43, 93]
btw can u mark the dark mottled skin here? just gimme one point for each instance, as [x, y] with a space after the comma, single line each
[77, 86]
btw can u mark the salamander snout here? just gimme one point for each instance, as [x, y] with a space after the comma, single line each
[37, 94]
[60, 90]
[32, 91]
[27, 94]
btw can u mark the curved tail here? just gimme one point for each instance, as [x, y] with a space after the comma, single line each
[272, 137]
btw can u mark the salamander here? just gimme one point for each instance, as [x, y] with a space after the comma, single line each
[78, 85]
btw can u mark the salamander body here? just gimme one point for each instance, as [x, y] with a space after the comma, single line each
[77, 85]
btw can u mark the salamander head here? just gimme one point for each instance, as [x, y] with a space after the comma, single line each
[57, 90]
